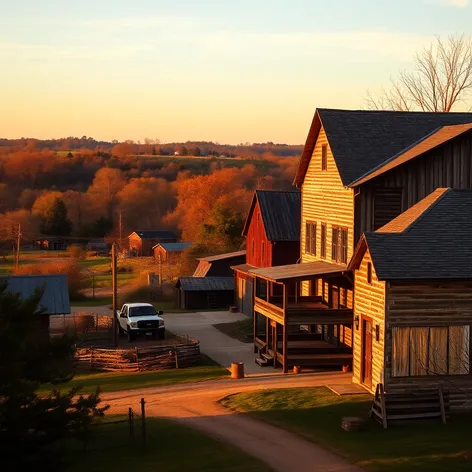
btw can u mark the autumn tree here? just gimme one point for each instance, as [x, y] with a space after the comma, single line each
[104, 190]
[441, 79]
[55, 221]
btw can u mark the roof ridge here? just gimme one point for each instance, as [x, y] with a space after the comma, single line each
[397, 112]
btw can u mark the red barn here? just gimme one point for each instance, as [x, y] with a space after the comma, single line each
[272, 232]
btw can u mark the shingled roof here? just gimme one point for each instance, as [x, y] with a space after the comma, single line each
[362, 140]
[431, 240]
[280, 214]
[199, 284]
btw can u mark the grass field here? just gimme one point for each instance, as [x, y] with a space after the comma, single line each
[171, 447]
[112, 382]
[316, 414]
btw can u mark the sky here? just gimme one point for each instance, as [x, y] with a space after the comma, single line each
[228, 71]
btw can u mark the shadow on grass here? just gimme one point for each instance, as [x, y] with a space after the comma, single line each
[316, 414]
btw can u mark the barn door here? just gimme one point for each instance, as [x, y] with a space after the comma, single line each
[367, 353]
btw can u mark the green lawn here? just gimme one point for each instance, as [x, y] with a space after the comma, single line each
[171, 447]
[111, 381]
[316, 414]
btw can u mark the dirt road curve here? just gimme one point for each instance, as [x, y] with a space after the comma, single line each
[196, 405]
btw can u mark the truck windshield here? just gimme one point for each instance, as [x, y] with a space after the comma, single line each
[142, 311]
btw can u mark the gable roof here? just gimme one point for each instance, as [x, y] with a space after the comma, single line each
[280, 214]
[362, 140]
[427, 143]
[198, 284]
[173, 247]
[431, 240]
[151, 234]
[55, 299]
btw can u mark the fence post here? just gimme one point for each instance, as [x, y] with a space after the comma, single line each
[131, 422]
[176, 358]
[143, 421]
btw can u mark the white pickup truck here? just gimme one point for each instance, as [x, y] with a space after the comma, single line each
[140, 318]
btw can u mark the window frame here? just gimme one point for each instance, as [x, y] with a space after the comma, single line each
[339, 244]
[310, 237]
[324, 232]
[324, 157]
[369, 273]
[429, 373]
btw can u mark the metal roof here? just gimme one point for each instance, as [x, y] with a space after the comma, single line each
[198, 284]
[151, 234]
[302, 271]
[219, 257]
[173, 247]
[55, 299]
[280, 214]
[362, 140]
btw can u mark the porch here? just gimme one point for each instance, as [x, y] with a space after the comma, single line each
[291, 329]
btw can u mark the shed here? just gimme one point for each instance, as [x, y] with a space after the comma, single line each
[219, 265]
[169, 252]
[197, 293]
[55, 299]
[51, 244]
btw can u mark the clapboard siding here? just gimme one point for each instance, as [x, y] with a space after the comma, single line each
[447, 166]
[325, 200]
[256, 238]
[369, 301]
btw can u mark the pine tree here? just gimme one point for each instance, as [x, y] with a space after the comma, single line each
[55, 221]
[30, 424]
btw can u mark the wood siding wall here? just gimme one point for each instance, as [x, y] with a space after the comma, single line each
[256, 237]
[369, 302]
[425, 303]
[447, 166]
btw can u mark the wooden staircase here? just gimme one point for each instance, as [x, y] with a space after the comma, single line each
[415, 404]
[263, 358]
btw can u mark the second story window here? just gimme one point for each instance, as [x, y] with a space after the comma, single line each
[323, 241]
[369, 273]
[310, 238]
[339, 245]
[324, 157]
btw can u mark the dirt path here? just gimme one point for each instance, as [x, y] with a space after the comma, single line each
[196, 405]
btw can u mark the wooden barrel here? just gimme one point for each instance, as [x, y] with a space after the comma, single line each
[237, 370]
[297, 369]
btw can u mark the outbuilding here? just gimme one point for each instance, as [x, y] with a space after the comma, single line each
[200, 293]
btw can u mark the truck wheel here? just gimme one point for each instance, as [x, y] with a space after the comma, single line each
[130, 336]
[120, 331]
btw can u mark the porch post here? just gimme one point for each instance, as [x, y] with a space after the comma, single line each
[254, 327]
[275, 341]
[285, 331]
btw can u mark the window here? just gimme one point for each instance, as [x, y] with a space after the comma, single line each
[310, 238]
[339, 245]
[323, 241]
[324, 157]
[430, 351]
[369, 273]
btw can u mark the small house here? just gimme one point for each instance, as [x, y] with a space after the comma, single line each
[413, 299]
[219, 265]
[141, 243]
[272, 232]
[169, 252]
[99, 248]
[200, 293]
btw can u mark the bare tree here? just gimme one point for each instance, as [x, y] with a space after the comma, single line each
[441, 79]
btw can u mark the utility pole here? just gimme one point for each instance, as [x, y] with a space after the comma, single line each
[160, 272]
[18, 243]
[114, 289]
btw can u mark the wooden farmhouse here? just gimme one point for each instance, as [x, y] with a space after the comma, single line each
[358, 171]
[413, 298]
[169, 252]
[219, 265]
[141, 243]
[272, 232]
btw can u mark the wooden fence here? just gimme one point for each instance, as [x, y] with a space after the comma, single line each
[176, 353]
[81, 324]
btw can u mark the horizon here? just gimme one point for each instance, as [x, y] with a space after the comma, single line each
[217, 72]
